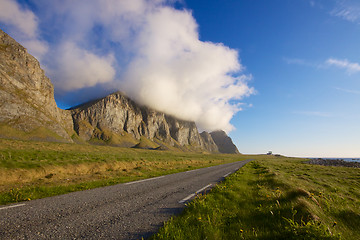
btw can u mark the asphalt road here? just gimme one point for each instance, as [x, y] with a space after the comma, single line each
[124, 211]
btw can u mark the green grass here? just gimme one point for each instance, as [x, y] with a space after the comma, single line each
[31, 170]
[39, 133]
[146, 144]
[269, 198]
[274, 198]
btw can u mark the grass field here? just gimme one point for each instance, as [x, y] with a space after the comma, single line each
[279, 198]
[270, 198]
[31, 170]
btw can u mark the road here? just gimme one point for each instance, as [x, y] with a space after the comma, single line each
[124, 211]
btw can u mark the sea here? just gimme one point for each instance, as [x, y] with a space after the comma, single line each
[345, 159]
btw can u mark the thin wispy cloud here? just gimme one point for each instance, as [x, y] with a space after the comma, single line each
[348, 10]
[350, 67]
[313, 113]
[317, 3]
[347, 90]
[299, 61]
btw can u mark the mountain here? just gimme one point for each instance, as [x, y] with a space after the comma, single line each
[224, 142]
[28, 111]
[27, 105]
[118, 120]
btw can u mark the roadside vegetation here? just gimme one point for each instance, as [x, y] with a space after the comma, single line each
[31, 170]
[274, 198]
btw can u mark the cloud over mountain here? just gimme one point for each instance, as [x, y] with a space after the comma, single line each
[147, 48]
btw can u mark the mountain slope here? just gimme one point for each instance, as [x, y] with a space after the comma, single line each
[224, 142]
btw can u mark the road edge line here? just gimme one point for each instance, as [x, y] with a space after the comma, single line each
[12, 206]
[193, 194]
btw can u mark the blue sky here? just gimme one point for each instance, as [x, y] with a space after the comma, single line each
[293, 67]
[306, 105]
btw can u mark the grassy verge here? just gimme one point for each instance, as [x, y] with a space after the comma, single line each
[31, 170]
[278, 198]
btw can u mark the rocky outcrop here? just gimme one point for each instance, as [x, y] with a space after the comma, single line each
[224, 142]
[27, 95]
[185, 132]
[334, 162]
[119, 115]
[209, 143]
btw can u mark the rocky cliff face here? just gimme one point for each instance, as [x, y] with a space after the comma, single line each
[119, 115]
[224, 142]
[209, 142]
[27, 95]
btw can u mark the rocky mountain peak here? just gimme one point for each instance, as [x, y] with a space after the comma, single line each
[224, 142]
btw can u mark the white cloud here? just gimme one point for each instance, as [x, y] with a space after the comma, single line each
[148, 49]
[77, 68]
[350, 67]
[36, 47]
[25, 26]
[348, 10]
[23, 19]
[182, 75]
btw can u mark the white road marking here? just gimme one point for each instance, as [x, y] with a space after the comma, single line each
[144, 180]
[193, 194]
[13, 206]
[227, 174]
[199, 169]
[187, 198]
[202, 189]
